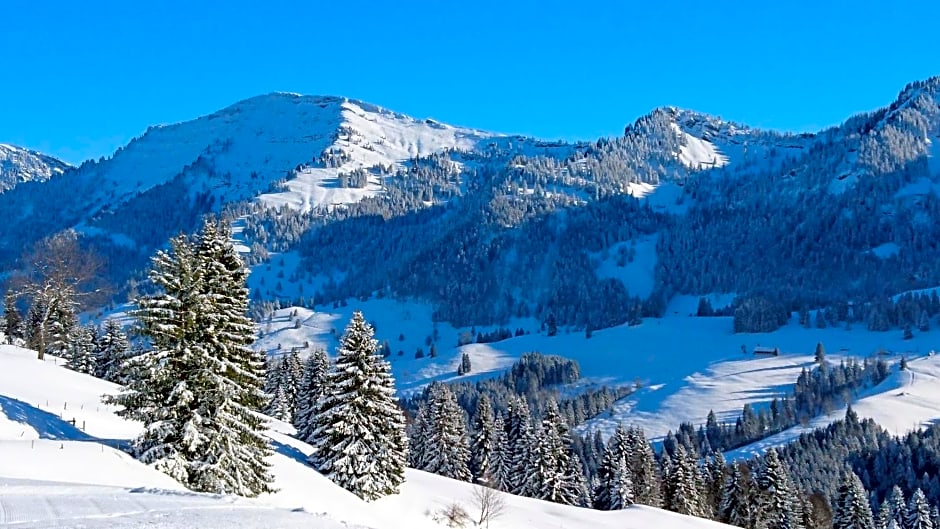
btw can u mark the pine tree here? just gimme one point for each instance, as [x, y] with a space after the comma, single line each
[643, 468]
[521, 441]
[483, 442]
[918, 512]
[198, 388]
[359, 436]
[464, 366]
[12, 319]
[112, 351]
[820, 355]
[81, 355]
[613, 473]
[896, 507]
[685, 484]
[777, 507]
[551, 475]
[312, 389]
[500, 468]
[292, 374]
[852, 510]
[735, 507]
[441, 434]
[714, 471]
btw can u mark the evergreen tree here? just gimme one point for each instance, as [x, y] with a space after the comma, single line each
[896, 507]
[642, 468]
[918, 512]
[500, 466]
[553, 476]
[112, 351]
[12, 319]
[777, 507]
[820, 355]
[464, 366]
[483, 442]
[614, 474]
[735, 506]
[81, 355]
[312, 389]
[359, 435]
[441, 428]
[684, 484]
[198, 388]
[852, 510]
[292, 374]
[521, 441]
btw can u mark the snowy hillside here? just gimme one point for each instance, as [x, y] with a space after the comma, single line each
[19, 165]
[54, 473]
[687, 365]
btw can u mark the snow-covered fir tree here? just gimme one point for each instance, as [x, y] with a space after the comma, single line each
[778, 508]
[312, 389]
[735, 506]
[359, 438]
[291, 376]
[894, 508]
[198, 388]
[12, 319]
[440, 444]
[82, 349]
[113, 350]
[683, 484]
[852, 510]
[499, 473]
[553, 474]
[642, 461]
[614, 487]
[918, 512]
[483, 440]
[714, 476]
[521, 441]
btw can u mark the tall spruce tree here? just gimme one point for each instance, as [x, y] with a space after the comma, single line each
[12, 319]
[735, 506]
[642, 468]
[777, 507]
[498, 475]
[852, 510]
[359, 435]
[113, 350]
[312, 389]
[198, 388]
[895, 507]
[521, 439]
[82, 349]
[483, 441]
[918, 512]
[441, 430]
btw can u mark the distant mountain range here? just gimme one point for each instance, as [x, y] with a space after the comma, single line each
[362, 201]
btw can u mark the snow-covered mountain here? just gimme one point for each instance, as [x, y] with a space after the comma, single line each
[487, 227]
[19, 165]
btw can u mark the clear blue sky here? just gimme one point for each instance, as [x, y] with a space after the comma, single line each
[79, 79]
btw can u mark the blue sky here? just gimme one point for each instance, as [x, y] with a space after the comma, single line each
[80, 79]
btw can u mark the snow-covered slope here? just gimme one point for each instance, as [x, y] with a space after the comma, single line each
[240, 152]
[23, 165]
[54, 474]
[907, 400]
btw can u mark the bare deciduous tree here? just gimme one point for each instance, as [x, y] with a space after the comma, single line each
[490, 503]
[59, 277]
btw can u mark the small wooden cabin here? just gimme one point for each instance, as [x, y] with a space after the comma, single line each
[766, 351]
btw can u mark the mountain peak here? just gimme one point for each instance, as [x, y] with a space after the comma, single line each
[18, 165]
